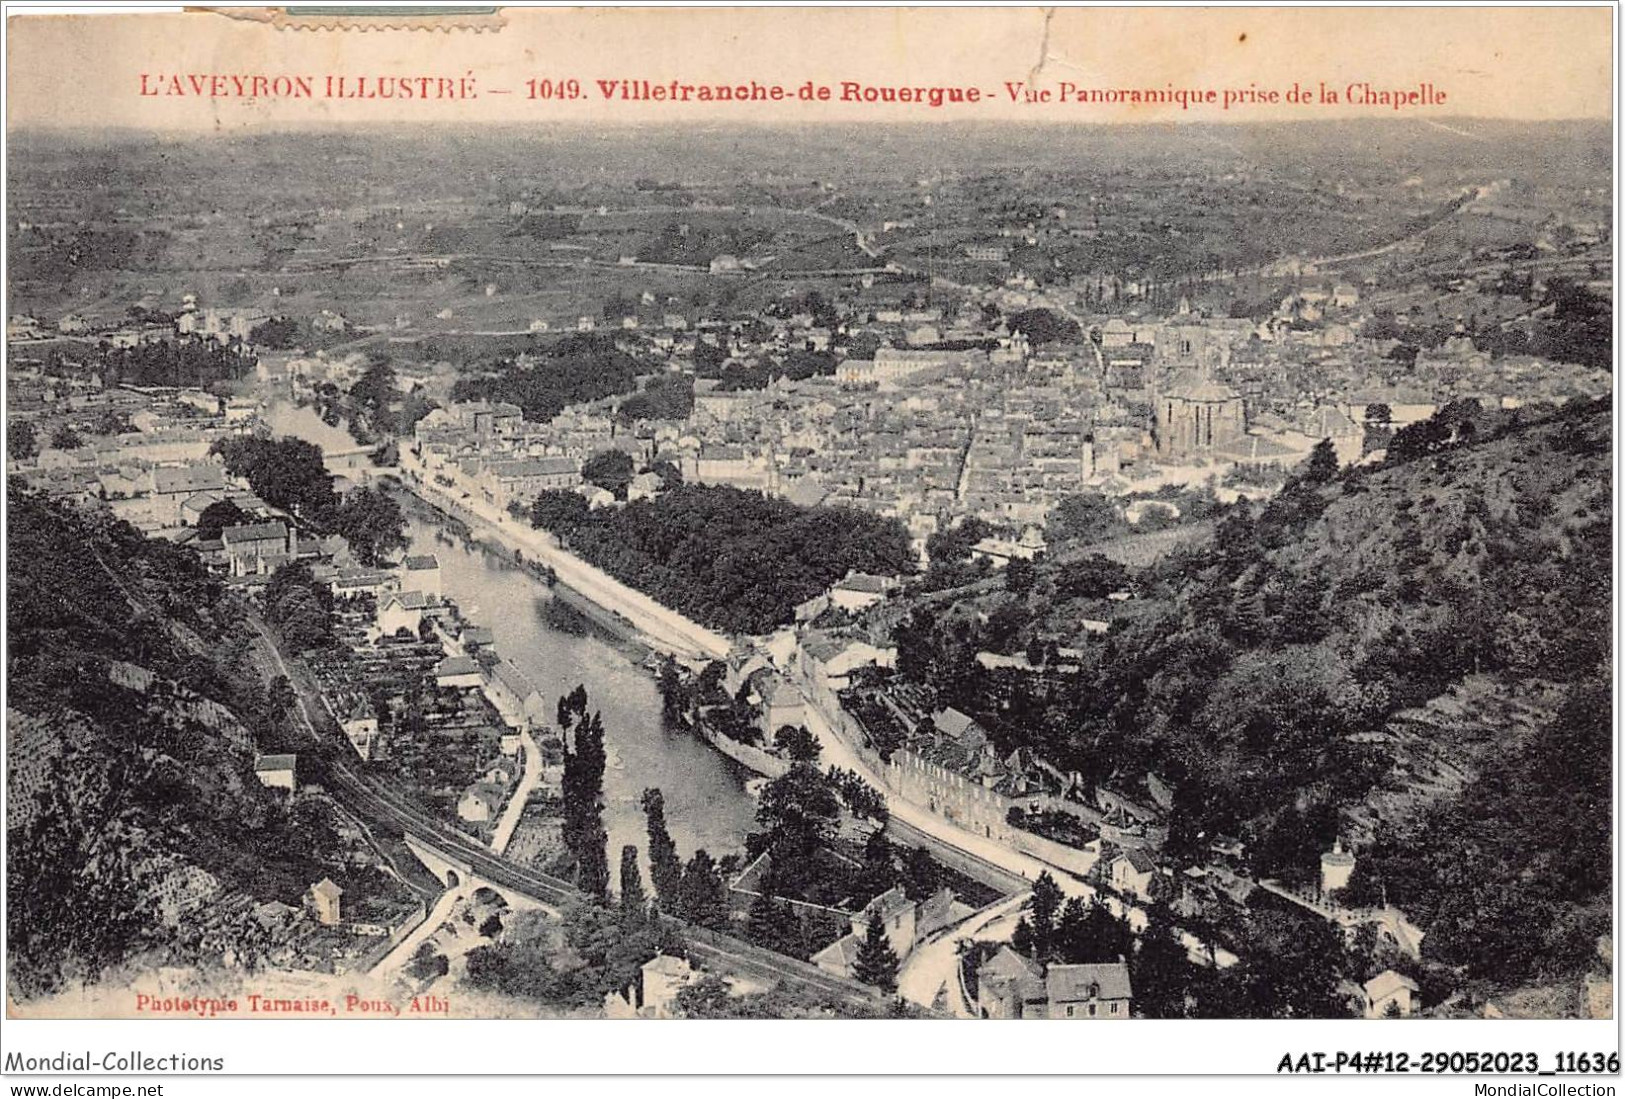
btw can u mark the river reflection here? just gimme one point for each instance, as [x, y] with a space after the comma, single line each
[557, 647]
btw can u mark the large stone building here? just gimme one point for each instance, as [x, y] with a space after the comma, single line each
[1195, 415]
[258, 549]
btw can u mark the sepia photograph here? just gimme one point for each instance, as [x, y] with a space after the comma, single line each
[864, 514]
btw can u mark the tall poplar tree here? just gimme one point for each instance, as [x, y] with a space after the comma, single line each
[665, 868]
[583, 789]
[634, 903]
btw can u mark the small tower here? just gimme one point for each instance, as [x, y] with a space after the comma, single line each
[1336, 867]
[324, 897]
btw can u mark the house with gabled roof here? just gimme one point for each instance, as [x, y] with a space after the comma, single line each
[172, 486]
[192, 508]
[516, 698]
[839, 957]
[654, 996]
[905, 922]
[828, 660]
[1390, 994]
[324, 898]
[481, 802]
[1132, 873]
[361, 727]
[257, 549]
[473, 638]
[1009, 986]
[1098, 991]
[458, 671]
[860, 590]
[278, 772]
[400, 610]
[959, 728]
[781, 703]
[896, 914]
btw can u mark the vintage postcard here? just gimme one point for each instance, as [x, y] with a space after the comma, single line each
[1096, 514]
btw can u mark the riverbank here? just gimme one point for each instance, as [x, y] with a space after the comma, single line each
[668, 632]
[1009, 867]
[632, 642]
[556, 646]
[662, 628]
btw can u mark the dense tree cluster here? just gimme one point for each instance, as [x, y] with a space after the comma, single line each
[1069, 931]
[797, 743]
[288, 474]
[861, 799]
[695, 892]
[665, 397]
[279, 333]
[299, 607]
[876, 962]
[665, 867]
[953, 544]
[1294, 968]
[603, 951]
[735, 561]
[798, 812]
[712, 997]
[806, 862]
[188, 361]
[1044, 326]
[579, 368]
[797, 365]
[1087, 517]
[1568, 323]
[610, 470]
[22, 440]
[370, 522]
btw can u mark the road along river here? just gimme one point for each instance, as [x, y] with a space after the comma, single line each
[557, 647]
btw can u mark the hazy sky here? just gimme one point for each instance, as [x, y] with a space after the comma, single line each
[1527, 63]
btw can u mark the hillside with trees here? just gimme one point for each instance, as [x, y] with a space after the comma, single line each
[1413, 656]
[131, 682]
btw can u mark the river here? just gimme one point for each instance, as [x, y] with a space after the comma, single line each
[558, 647]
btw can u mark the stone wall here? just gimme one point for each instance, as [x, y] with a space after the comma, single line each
[746, 755]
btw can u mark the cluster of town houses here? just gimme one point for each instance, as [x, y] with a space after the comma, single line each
[1002, 431]
[916, 429]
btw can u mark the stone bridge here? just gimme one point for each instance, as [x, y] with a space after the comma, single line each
[351, 461]
[456, 872]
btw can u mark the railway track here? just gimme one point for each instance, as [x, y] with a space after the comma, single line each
[721, 952]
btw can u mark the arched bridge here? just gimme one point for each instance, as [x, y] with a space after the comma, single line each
[460, 861]
[350, 460]
[456, 868]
